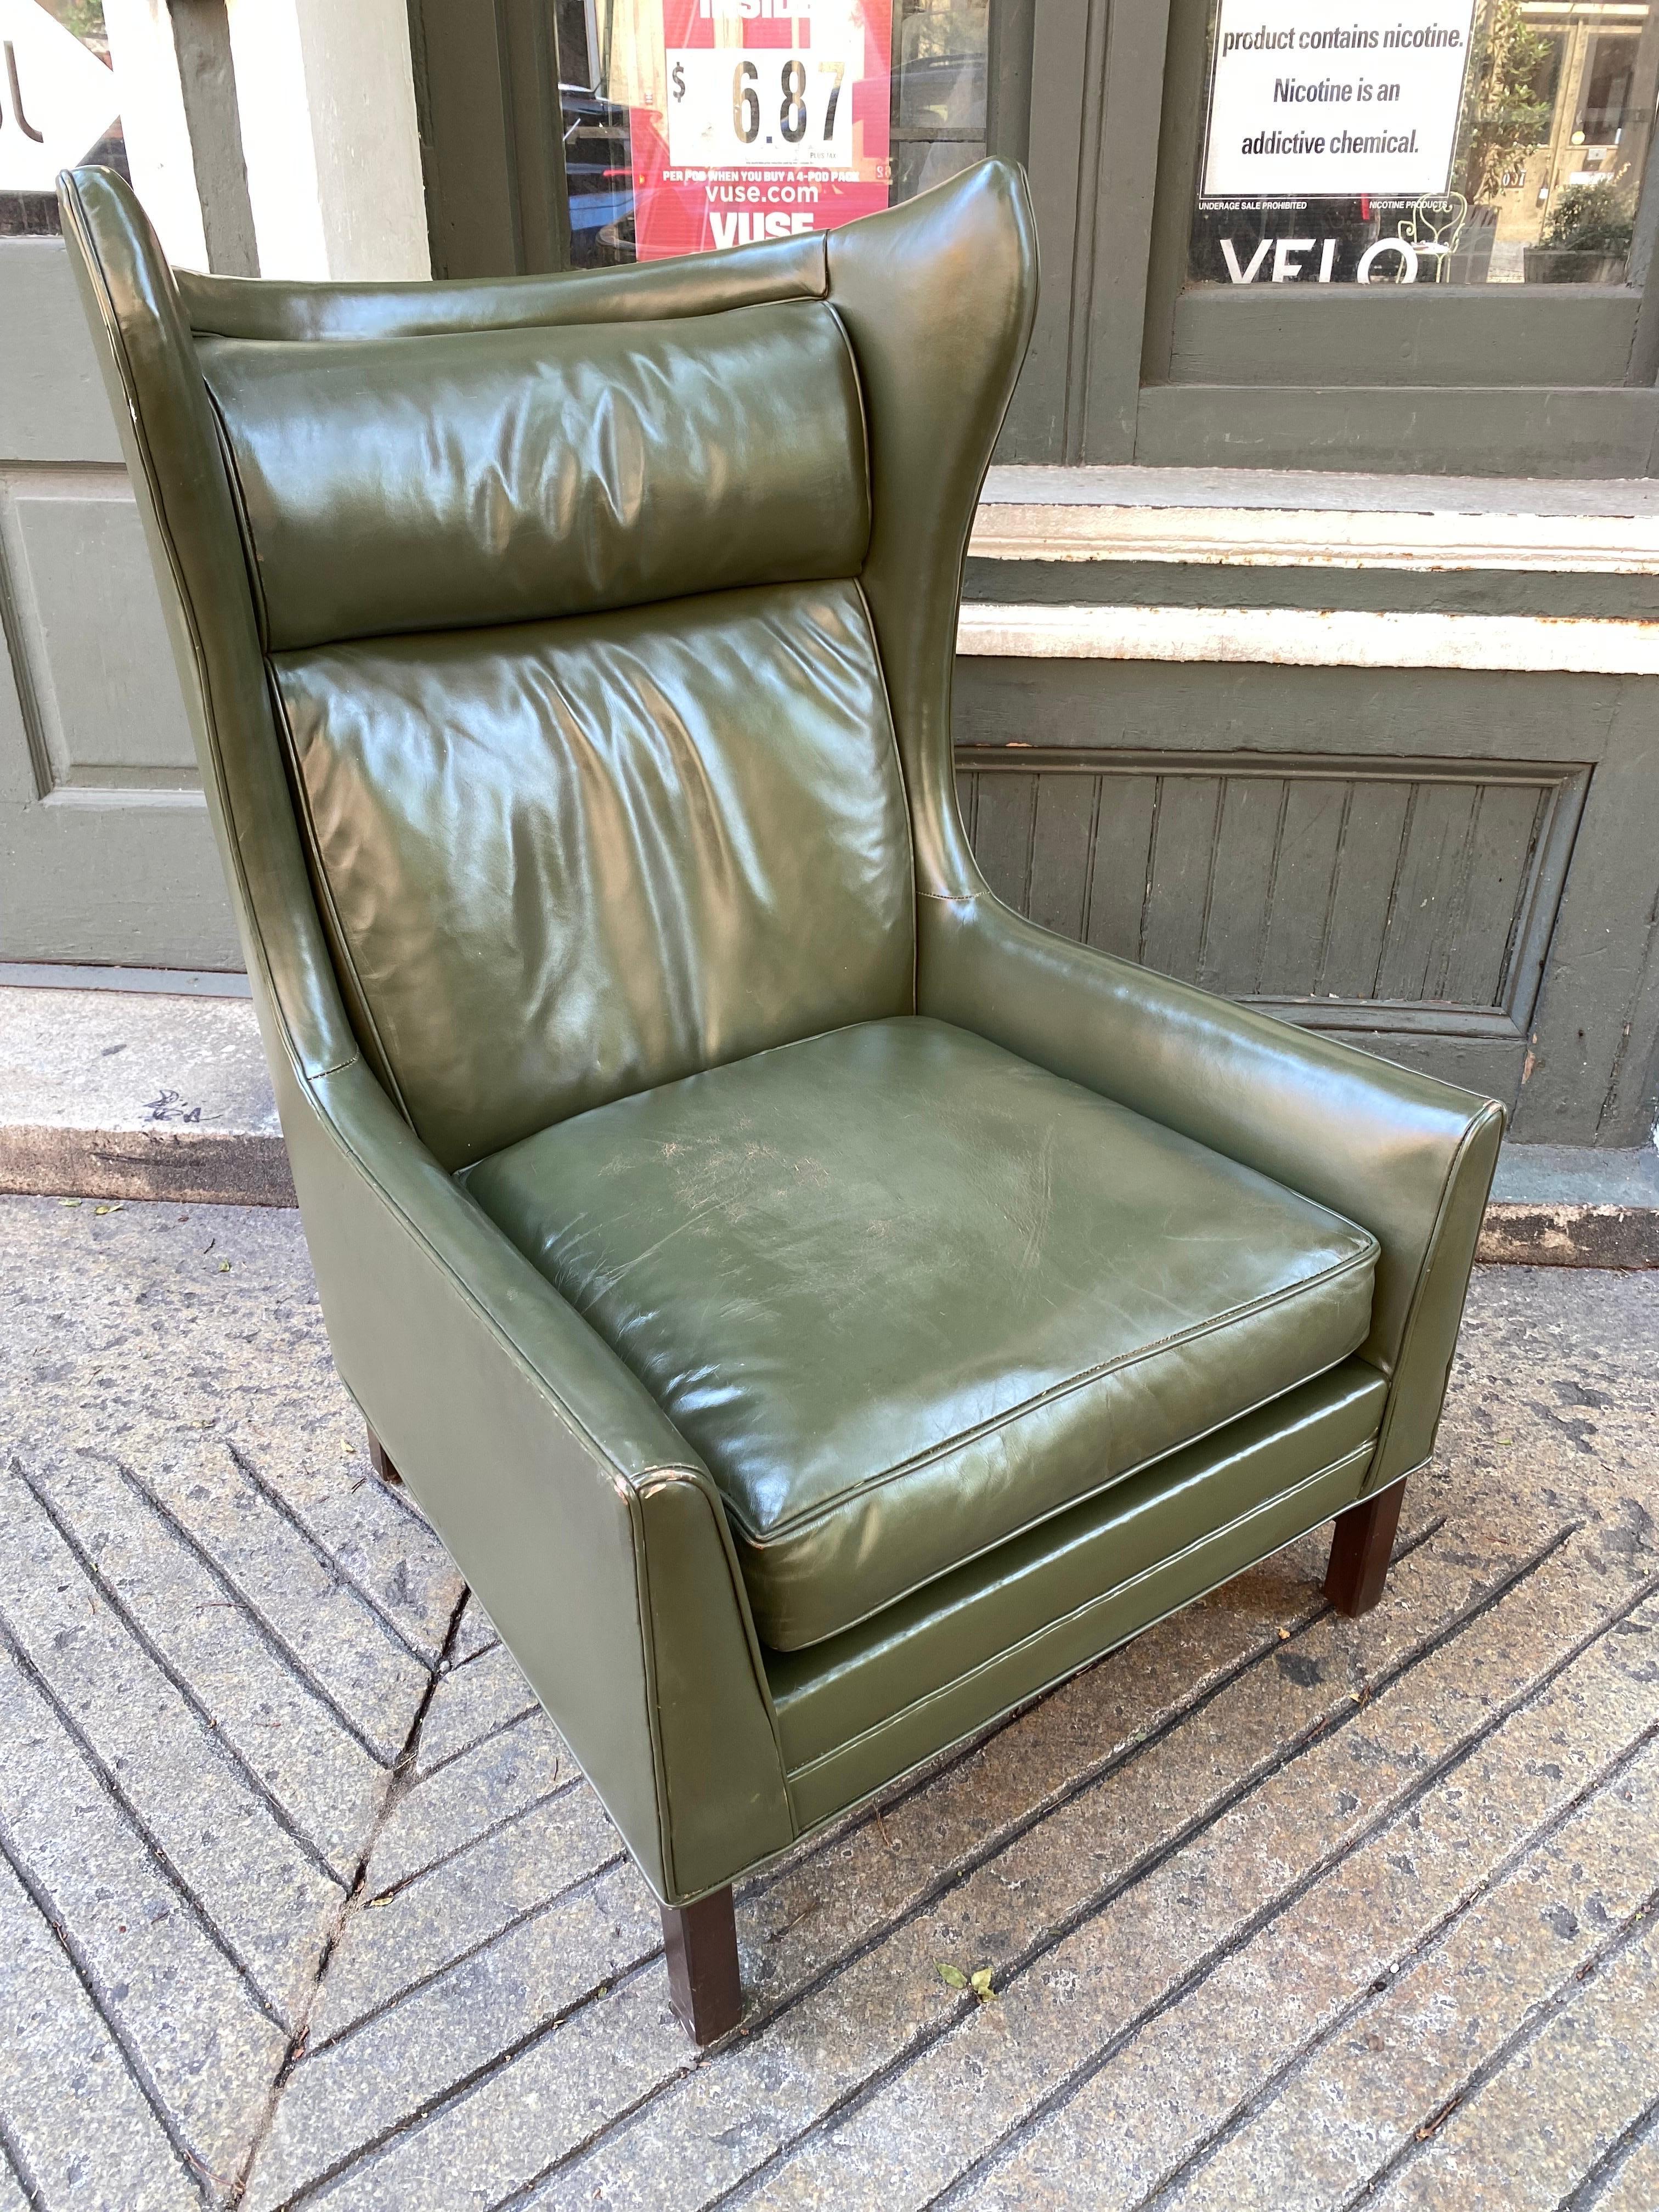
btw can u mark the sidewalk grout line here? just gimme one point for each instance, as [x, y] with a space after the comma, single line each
[297, 2042]
[458, 2092]
[1066, 2091]
[475, 1951]
[1589, 2192]
[128, 1812]
[271, 1636]
[273, 1496]
[488, 1736]
[993, 1847]
[81, 1967]
[186, 1689]
[1538, 2017]
[1189, 1706]
[1137, 1872]
[447, 1858]
[1428, 1942]
[11, 2151]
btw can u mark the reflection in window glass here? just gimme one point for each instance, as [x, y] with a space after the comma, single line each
[692, 124]
[938, 92]
[58, 106]
[1443, 142]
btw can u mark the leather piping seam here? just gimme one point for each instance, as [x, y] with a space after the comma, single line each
[243, 522]
[1248, 1310]
[875, 637]
[117, 345]
[864, 432]
[1085, 1499]
[661, 1478]
[334, 927]
[1013, 365]
[646, 1622]
[903, 781]
[557, 1405]
[1476, 1128]
[1099, 1597]
[312, 335]
[952, 898]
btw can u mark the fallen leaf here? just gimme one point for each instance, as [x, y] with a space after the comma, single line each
[69, 1201]
[224, 1266]
[952, 1977]
[980, 1982]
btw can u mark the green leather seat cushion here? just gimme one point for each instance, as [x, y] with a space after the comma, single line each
[906, 1294]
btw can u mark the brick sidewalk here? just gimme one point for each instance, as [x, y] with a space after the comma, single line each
[304, 1903]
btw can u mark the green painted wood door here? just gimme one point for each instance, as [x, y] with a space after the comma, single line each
[106, 854]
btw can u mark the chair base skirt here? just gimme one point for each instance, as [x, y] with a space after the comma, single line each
[861, 1710]
[847, 1774]
[701, 1939]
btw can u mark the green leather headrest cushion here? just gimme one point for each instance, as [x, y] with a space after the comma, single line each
[454, 481]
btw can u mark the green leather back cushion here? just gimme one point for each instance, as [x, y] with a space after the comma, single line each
[460, 479]
[562, 862]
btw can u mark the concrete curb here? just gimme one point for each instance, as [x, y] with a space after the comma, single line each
[135, 1093]
[208, 1167]
[126, 1094]
[1570, 1237]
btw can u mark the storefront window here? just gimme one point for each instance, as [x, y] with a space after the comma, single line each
[59, 106]
[1425, 142]
[692, 124]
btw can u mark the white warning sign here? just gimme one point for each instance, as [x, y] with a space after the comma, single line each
[1309, 100]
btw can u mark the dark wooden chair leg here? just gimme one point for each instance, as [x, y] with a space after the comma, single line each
[701, 1940]
[1361, 1546]
[378, 1459]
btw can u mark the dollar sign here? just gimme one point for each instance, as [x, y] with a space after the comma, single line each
[678, 78]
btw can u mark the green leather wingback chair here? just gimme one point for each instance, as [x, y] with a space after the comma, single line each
[818, 1308]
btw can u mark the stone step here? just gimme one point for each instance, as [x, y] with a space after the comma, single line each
[131, 1093]
[118, 1083]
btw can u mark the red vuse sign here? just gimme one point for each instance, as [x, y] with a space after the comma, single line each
[774, 122]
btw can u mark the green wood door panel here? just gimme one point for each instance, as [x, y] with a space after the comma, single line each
[52, 406]
[129, 880]
[1594, 1076]
[1186, 814]
[105, 853]
[1236, 926]
[1116, 903]
[86, 617]
[1507, 335]
[1411, 891]
[1065, 830]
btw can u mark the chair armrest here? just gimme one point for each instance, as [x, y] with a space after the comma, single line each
[590, 1531]
[1402, 1155]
